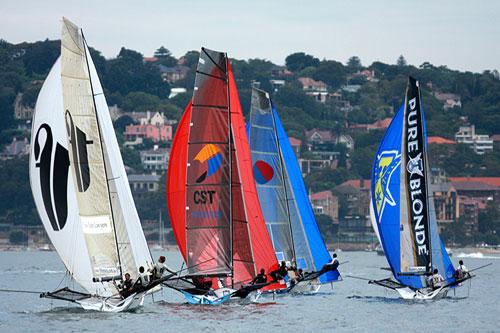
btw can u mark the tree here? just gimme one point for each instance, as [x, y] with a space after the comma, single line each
[354, 62]
[297, 61]
[332, 73]
[401, 61]
[162, 52]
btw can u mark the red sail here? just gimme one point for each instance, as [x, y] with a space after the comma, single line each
[262, 248]
[176, 181]
[212, 199]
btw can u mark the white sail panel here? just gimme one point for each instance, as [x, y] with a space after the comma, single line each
[85, 150]
[52, 186]
[132, 245]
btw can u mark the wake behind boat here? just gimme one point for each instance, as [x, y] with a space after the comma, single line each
[282, 194]
[80, 186]
[212, 200]
[402, 208]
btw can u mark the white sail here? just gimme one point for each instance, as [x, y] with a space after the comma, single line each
[132, 246]
[89, 214]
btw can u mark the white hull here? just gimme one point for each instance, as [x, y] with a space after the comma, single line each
[112, 304]
[306, 287]
[423, 294]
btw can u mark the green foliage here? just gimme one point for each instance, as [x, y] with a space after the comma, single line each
[325, 179]
[15, 182]
[298, 61]
[123, 122]
[30, 95]
[331, 72]
[140, 102]
[354, 62]
[131, 158]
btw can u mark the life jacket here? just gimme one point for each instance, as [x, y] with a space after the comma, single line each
[436, 280]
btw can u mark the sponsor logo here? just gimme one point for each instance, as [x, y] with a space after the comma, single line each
[414, 165]
[212, 157]
[53, 176]
[262, 172]
[386, 165]
[203, 197]
[206, 215]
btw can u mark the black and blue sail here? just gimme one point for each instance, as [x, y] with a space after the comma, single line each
[286, 208]
[402, 205]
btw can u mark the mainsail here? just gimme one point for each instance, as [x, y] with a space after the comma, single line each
[402, 205]
[212, 199]
[89, 216]
[287, 211]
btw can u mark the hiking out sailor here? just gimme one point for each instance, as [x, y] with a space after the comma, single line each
[143, 279]
[159, 268]
[260, 278]
[330, 266]
[280, 273]
[437, 280]
[297, 276]
[461, 271]
[126, 286]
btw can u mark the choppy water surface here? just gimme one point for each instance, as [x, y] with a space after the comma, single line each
[350, 305]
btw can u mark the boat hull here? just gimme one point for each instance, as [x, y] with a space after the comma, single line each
[205, 299]
[423, 294]
[112, 304]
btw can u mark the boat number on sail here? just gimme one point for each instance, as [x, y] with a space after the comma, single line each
[53, 194]
[415, 179]
[96, 224]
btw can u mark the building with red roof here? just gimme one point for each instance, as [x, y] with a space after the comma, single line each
[325, 203]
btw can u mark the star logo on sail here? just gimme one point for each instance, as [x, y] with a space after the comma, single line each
[387, 162]
[262, 172]
[212, 157]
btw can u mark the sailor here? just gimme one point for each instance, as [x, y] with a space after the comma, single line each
[143, 279]
[437, 280]
[280, 273]
[298, 276]
[462, 271]
[126, 286]
[260, 278]
[203, 284]
[159, 268]
[330, 266]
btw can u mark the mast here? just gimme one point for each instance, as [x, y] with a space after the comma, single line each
[230, 140]
[282, 165]
[102, 149]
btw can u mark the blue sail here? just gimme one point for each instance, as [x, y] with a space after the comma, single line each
[282, 193]
[412, 248]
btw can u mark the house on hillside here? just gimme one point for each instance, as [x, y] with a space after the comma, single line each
[22, 111]
[16, 149]
[141, 183]
[452, 145]
[155, 159]
[480, 143]
[325, 203]
[173, 74]
[151, 125]
[323, 138]
[449, 100]
[317, 89]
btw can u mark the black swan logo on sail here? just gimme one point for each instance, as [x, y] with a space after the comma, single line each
[79, 142]
[57, 172]
[414, 143]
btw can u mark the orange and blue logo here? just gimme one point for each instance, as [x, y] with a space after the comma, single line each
[211, 156]
[262, 172]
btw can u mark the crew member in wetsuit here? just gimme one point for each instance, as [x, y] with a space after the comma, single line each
[462, 271]
[126, 286]
[260, 278]
[280, 273]
[331, 266]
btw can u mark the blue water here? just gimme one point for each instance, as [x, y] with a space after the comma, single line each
[351, 305]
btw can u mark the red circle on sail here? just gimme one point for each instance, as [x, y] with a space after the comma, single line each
[263, 172]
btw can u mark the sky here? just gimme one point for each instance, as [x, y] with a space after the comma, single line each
[462, 35]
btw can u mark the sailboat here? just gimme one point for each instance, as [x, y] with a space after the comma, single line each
[402, 209]
[80, 186]
[212, 200]
[282, 194]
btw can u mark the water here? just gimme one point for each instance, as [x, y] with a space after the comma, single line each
[351, 305]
